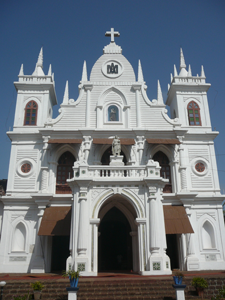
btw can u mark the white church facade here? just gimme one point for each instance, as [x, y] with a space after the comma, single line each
[72, 202]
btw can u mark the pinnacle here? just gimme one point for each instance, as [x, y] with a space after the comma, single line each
[182, 61]
[140, 73]
[21, 71]
[66, 94]
[159, 94]
[84, 73]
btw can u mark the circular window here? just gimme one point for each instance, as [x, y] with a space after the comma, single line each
[25, 168]
[200, 167]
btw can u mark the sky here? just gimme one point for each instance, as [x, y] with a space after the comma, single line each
[71, 31]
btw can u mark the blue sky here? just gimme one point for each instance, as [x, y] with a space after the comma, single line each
[73, 31]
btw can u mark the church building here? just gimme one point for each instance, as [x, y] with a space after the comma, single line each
[113, 183]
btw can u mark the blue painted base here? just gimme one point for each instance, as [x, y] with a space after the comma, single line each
[72, 289]
[179, 286]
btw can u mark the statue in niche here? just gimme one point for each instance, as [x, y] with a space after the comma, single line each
[116, 146]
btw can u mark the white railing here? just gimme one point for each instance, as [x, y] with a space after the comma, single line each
[112, 172]
[35, 79]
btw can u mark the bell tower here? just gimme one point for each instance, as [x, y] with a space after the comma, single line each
[187, 97]
[35, 97]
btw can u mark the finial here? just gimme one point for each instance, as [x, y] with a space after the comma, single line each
[159, 94]
[112, 33]
[140, 73]
[202, 72]
[189, 71]
[21, 71]
[175, 71]
[171, 77]
[50, 70]
[40, 59]
[66, 94]
[84, 73]
[182, 61]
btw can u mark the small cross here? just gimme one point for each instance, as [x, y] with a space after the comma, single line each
[112, 33]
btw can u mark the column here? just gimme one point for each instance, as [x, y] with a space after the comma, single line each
[88, 88]
[137, 88]
[37, 259]
[183, 169]
[82, 230]
[141, 244]
[154, 228]
[192, 259]
[52, 176]
[44, 167]
[94, 245]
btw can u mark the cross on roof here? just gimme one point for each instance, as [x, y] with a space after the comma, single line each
[112, 33]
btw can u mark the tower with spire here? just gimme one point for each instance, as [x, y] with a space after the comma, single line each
[185, 88]
[39, 88]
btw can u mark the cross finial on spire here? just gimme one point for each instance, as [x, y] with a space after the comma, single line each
[112, 33]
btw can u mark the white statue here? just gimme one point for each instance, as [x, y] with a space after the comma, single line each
[116, 146]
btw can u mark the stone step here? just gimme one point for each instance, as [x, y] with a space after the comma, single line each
[111, 289]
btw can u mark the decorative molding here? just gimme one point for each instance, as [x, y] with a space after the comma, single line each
[200, 214]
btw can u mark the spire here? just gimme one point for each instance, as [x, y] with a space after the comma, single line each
[182, 61]
[66, 94]
[84, 73]
[140, 73]
[183, 71]
[50, 70]
[175, 71]
[159, 94]
[189, 71]
[39, 65]
[202, 72]
[21, 71]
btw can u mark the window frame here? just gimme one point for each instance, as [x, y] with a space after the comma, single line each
[64, 188]
[30, 117]
[193, 103]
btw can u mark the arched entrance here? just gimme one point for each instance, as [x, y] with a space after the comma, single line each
[115, 242]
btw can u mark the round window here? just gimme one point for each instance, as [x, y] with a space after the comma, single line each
[25, 168]
[200, 167]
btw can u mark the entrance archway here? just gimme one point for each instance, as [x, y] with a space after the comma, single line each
[115, 242]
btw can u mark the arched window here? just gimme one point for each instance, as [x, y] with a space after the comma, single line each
[64, 172]
[208, 237]
[113, 113]
[165, 169]
[30, 117]
[19, 238]
[194, 114]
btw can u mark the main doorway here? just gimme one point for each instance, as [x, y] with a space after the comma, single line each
[60, 253]
[115, 242]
